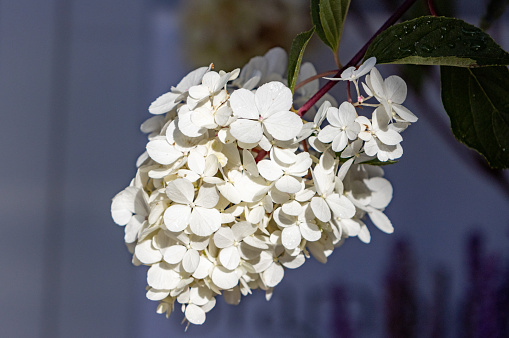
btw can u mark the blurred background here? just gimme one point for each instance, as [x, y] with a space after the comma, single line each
[76, 78]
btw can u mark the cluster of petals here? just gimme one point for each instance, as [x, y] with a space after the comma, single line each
[235, 188]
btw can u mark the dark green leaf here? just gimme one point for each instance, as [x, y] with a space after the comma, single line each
[477, 102]
[315, 18]
[295, 57]
[437, 41]
[329, 16]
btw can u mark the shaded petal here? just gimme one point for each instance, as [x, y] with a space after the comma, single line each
[174, 254]
[247, 131]
[180, 191]
[341, 206]
[273, 275]
[190, 261]
[320, 209]
[224, 237]
[224, 278]
[310, 231]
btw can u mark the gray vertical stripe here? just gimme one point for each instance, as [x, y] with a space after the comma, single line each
[55, 198]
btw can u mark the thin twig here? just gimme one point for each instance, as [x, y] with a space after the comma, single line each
[431, 7]
[312, 78]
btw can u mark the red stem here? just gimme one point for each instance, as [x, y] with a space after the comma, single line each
[357, 58]
[431, 7]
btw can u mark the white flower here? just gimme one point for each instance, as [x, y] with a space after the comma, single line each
[168, 101]
[287, 178]
[267, 110]
[294, 228]
[391, 93]
[129, 208]
[381, 140]
[198, 213]
[327, 200]
[342, 127]
[354, 73]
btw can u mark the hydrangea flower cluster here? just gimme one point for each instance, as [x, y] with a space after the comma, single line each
[235, 187]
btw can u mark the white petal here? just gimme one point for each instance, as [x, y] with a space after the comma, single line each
[381, 193]
[334, 118]
[273, 275]
[154, 294]
[404, 113]
[224, 278]
[286, 156]
[200, 295]
[249, 163]
[243, 104]
[229, 192]
[161, 276]
[396, 89]
[180, 191]
[340, 141]
[133, 227]
[207, 196]
[242, 229]
[255, 215]
[364, 234]
[310, 231]
[292, 262]
[292, 208]
[162, 152]
[282, 219]
[146, 253]
[190, 261]
[288, 184]
[341, 206]
[174, 254]
[163, 104]
[195, 314]
[389, 137]
[273, 97]
[204, 222]
[283, 125]
[290, 237]
[224, 237]
[176, 217]
[381, 221]
[247, 131]
[320, 209]
[196, 162]
[203, 269]
[269, 170]
[229, 257]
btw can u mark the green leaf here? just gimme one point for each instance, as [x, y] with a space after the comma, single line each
[329, 16]
[295, 58]
[477, 102]
[441, 41]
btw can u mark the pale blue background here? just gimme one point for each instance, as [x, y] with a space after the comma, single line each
[76, 78]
